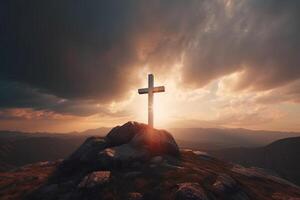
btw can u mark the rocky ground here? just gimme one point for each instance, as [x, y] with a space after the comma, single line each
[135, 162]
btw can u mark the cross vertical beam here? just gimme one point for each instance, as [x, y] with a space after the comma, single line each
[150, 99]
[150, 91]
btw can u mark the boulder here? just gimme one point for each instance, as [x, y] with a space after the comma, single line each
[123, 134]
[88, 150]
[121, 155]
[96, 178]
[190, 191]
[122, 146]
[157, 142]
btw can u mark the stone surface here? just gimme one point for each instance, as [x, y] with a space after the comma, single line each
[224, 184]
[158, 142]
[88, 150]
[95, 179]
[240, 196]
[123, 134]
[254, 172]
[121, 156]
[156, 160]
[133, 174]
[190, 191]
[135, 196]
[123, 145]
[138, 135]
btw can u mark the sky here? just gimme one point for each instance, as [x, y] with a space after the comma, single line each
[73, 65]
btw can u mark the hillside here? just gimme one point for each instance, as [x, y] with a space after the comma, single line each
[21, 150]
[135, 162]
[281, 156]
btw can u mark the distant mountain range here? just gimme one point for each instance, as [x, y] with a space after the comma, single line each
[20, 150]
[217, 138]
[281, 156]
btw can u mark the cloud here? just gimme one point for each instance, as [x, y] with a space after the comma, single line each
[288, 93]
[19, 98]
[29, 114]
[256, 37]
[70, 56]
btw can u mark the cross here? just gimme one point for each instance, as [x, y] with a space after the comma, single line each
[150, 90]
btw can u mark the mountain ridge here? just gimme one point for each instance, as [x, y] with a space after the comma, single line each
[280, 156]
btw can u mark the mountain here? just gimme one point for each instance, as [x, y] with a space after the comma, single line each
[281, 156]
[19, 148]
[135, 161]
[220, 138]
[97, 131]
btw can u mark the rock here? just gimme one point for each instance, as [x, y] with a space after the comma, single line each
[156, 160]
[83, 159]
[224, 184]
[95, 179]
[122, 146]
[88, 150]
[158, 142]
[133, 174]
[49, 189]
[135, 196]
[136, 165]
[123, 134]
[170, 166]
[121, 155]
[201, 153]
[190, 191]
[48, 163]
[240, 196]
[106, 158]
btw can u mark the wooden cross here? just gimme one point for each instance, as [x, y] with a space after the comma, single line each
[150, 90]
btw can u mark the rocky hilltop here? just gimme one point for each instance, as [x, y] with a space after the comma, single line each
[134, 162]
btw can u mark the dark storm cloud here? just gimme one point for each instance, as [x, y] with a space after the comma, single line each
[80, 49]
[17, 95]
[68, 48]
[85, 51]
[91, 51]
[259, 38]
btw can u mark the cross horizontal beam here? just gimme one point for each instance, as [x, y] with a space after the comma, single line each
[155, 90]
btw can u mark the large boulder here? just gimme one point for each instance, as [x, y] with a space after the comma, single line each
[88, 150]
[142, 136]
[122, 146]
[157, 142]
[123, 134]
[121, 155]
